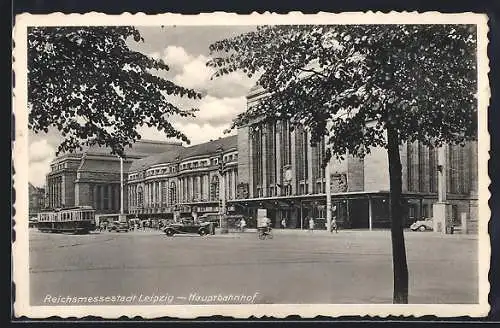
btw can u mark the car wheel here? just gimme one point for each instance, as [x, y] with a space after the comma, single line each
[169, 232]
[422, 228]
[203, 232]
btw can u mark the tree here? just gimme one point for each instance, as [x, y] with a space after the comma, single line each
[363, 86]
[87, 83]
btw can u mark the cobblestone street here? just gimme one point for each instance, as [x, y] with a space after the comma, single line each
[294, 267]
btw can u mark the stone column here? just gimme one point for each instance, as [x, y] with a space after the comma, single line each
[49, 192]
[110, 196]
[279, 174]
[155, 184]
[54, 192]
[95, 203]
[163, 192]
[151, 193]
[310, 180]
[207, 186]
[179, 182]
[147, 195]
[250, 155]
[117, 199]
[293, 162]
[63, 191]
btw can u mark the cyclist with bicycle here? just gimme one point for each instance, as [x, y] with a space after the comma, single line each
[264, 228]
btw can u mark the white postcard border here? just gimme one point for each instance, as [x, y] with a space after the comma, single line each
[20, 248]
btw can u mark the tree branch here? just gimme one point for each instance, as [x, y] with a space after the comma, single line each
[313, 71]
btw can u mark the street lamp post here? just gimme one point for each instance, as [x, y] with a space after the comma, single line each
[122, 210]
[222, 188]
[328, 192]
[121, 185]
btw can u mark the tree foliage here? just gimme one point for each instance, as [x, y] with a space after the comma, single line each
[88, 84]
[333, 79]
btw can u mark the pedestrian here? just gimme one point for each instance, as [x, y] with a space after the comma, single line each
[243, 224]
[334, 224]
[283, 223]
[268, 224]
[311, 224]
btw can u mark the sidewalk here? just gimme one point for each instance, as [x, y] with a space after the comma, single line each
[351, 232]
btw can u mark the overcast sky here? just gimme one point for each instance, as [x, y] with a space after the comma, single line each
[185, 50]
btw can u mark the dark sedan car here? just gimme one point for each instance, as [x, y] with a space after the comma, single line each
[118, 226]
[187, 227]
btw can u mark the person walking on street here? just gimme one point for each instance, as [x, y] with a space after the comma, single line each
[283, 223]
[334, 225]
[268, 224]
[311, 224]
[243, 224]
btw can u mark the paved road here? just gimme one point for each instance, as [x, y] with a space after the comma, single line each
[298, 267]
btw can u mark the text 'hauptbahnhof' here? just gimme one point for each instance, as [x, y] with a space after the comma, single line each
[268, 166]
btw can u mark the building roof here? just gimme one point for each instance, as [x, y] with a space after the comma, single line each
[181, 153]
[140, 149]
[34, 189]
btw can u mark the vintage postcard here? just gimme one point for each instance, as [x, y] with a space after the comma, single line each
[251, 165]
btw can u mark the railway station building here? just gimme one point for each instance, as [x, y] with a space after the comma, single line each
[91, 177]
[269, 166]
[184, 181]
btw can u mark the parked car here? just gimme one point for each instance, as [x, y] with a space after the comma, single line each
[422, 225]
[214, 218]
[117, 226]
[186, 226]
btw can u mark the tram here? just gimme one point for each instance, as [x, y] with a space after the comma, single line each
[79, 220]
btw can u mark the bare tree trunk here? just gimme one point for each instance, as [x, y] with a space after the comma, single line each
[400, 267]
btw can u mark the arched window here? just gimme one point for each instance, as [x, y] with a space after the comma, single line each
[172, 193]
[140, 196]
[214, 188]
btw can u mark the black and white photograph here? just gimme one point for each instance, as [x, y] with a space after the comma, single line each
[251, 165]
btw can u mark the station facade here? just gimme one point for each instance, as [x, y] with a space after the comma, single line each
[91, 177]
[272, 167]
[184, 181]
